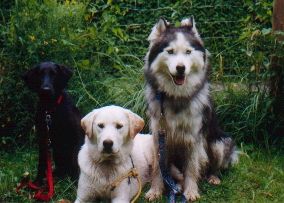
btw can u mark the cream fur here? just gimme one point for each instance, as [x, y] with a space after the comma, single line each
[99, 170]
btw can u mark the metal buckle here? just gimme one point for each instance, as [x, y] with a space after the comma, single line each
[47, 120]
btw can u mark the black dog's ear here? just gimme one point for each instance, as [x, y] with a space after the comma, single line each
[31, 78]
[64, 73]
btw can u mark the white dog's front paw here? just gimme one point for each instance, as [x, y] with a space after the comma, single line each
[192, 195]
[153, 193]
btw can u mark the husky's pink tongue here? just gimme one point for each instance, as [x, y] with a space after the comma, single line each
[179, 80]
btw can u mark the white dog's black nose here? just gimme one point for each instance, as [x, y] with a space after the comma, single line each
[108, 145]
[180, 69]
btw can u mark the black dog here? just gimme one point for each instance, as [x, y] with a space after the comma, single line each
[62, 129]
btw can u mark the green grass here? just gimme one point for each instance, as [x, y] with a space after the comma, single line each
[259, 177]
[105, 44]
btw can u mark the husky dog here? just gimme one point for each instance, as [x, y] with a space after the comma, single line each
[177, 93]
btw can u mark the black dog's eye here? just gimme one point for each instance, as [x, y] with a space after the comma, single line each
[101, 125]
[118, 126]
[171, 51]
[188, 51]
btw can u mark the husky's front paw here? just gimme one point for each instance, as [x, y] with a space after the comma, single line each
[153, 194]
[192, 195]
[214, 180]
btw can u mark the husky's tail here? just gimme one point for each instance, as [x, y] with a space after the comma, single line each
[225, 153]
[234, 157]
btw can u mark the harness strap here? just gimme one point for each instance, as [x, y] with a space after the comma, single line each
[131, 173]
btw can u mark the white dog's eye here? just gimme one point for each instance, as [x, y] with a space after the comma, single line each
[101, 125]
[188, 51]
[118, 126]
[170, 51]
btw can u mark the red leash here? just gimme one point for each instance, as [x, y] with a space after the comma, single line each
[42, 194]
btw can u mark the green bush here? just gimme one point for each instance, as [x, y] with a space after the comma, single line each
[105, 42]
[79, 34]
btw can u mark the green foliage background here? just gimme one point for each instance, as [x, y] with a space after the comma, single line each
[105, 42]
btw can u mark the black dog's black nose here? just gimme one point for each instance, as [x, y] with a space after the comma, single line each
[108, 145]
[46, 88]
[180, 69]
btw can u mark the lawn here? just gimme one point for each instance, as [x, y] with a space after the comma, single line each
[259, 177]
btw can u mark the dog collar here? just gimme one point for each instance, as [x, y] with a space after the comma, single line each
[59, 99]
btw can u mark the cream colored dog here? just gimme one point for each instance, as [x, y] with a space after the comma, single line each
[111, 145]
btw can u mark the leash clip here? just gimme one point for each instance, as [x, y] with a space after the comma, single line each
[47, 120]
[48, 142]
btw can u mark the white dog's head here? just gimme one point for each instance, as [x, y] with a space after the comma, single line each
[110, 130]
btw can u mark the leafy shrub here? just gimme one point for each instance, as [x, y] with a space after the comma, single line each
[105, 42]
[30, 36]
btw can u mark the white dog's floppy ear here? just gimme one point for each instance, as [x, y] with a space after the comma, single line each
[158, 29]
[136, 123]
[190, 22]
[87, 123]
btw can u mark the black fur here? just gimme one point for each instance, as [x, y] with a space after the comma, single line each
[48, 80]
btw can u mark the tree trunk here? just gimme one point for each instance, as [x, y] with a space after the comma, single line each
[277, 69]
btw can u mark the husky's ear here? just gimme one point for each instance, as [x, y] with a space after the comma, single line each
[190, 23]
[158, 29]
[136, 123]
[87, 123]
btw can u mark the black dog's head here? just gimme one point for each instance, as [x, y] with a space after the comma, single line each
[47, 78]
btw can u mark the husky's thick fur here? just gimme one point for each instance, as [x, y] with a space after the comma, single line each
[177, 92]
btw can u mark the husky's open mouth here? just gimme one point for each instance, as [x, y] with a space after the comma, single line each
[179, 79]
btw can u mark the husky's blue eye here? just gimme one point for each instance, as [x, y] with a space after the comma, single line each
[188, 51]
[171, 51]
